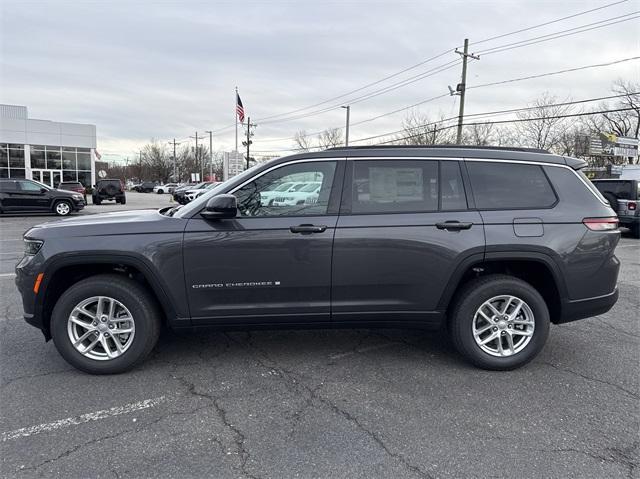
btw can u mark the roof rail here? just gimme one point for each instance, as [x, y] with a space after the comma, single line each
[459, 147]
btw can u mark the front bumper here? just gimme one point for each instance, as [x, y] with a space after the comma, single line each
[588, 307]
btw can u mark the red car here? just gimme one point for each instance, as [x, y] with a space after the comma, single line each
[74, 186]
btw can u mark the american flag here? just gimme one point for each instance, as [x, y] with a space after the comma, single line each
[239, 108]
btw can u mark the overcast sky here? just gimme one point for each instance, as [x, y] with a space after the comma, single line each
[163, 69]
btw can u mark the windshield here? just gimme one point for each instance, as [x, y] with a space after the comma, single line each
[199, 202]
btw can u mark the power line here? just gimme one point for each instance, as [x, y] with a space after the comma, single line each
[548, 23]
[513, 80]
[561, 34]
[518, 120]
[435, 57]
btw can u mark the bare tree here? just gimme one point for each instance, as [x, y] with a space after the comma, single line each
[330, 138]
[303, 141]
[478, 135]
[540, 126]
[419, 129]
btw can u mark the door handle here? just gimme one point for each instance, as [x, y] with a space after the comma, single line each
[307, 229]
[453, 226]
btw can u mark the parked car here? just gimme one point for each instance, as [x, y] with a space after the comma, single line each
[108, 189]
[192, 195]
[268, 197]
[19, 195]
[299, 197]
[493, 244]
[166, 188]
[624, 198]
[74, 186]
[180, 195]
[145, 187]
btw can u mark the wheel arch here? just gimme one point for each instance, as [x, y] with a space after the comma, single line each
[62, 272]
[536, 268]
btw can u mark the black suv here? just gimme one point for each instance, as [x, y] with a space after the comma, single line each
[624, 198]
[27, 196]
[493, 244]
[145, 187]
[110, 189]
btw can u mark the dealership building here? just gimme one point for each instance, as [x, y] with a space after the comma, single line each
[44, 150]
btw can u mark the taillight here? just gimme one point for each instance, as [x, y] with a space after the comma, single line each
[601, 224]
[632, 205]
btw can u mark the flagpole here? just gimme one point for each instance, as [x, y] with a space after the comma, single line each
[235, 106]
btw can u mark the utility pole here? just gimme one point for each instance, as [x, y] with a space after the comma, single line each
[198, 165]
[210, 155]
[346, 136]
[460, 89]
[175, 164]
[248, 141]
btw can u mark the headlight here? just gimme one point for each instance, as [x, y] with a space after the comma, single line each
[76, 197]
[32, 246]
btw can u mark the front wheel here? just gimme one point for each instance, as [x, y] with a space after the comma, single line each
[62, 208]
[106, 324]
[499, 322]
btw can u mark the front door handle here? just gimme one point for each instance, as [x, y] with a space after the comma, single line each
[307, 229]
[453, 226]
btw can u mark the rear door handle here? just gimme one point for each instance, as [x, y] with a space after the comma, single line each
[453, 226]
[307, 229]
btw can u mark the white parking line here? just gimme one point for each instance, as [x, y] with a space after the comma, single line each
[13, 253]
[73, 421]
[7, 275]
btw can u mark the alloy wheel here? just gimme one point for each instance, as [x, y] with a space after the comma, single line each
[503, 325]
[101, 328]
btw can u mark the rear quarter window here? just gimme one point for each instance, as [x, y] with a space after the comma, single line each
[501, 185]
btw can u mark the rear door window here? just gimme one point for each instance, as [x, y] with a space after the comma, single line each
[501, 185]
[394, 186]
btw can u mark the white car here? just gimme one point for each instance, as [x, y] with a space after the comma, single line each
[193, 194]
[267, 197]
[166, 188]
[299, 197]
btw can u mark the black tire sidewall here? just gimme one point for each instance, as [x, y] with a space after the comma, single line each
[128, 293]
[469, 302]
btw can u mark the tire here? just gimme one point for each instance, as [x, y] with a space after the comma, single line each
[62, 208]
[110, 190]
[635, 230]
[464, 317]
[160, 192]
[140, 305]
[611, 198]
[123, 201]
[97, 201]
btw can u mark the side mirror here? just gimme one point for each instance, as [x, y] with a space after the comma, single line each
[220, 207]
[43, 190]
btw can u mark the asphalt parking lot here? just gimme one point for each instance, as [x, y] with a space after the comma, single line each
[322, 403]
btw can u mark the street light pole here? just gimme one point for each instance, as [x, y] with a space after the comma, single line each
[210, 154]
[346, 135]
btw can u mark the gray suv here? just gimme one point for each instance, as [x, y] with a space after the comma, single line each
[492, 244]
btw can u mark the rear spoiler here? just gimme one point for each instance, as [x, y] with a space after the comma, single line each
[575, 163]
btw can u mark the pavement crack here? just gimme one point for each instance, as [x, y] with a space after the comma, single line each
[590, 378]
[313, 394]
[8, 381]
[624, 457]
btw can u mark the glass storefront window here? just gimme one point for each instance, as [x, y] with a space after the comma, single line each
[16, 147]
[16, 173]
[54, 161]
[16, 158]
[4, 172]
[84, 177]
[68, 159]
[69, 175]
[37, 159]
[4, 156]
[84, 161]
[37, 147]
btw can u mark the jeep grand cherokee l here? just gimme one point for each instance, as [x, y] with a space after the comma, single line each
[493, 244]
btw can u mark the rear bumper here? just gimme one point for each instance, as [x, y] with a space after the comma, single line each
[588, 307]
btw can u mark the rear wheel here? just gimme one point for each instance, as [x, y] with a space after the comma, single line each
[105, 324]
[499, 322]
[62, 208]
[635, 230]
